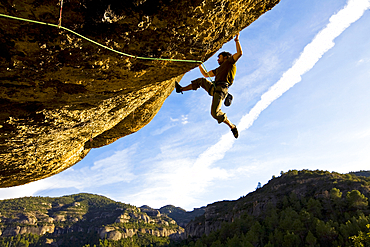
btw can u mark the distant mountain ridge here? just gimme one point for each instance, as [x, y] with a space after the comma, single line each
[299, 208]
[181, 216]
[84, 217]
[361, 173]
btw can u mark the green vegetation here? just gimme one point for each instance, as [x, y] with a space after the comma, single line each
[77, 219]
[83, 240]
[20, 240]
[361, 173]
[135, 241]
[181, 216]
[300, 208]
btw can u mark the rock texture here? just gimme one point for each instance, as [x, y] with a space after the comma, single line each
[84, 213]
[60, 95]
[292, 184]
[180, 215]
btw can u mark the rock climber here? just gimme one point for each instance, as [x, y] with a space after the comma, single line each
[224, 77]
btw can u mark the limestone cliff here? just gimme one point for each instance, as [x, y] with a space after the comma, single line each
[280, 192]
[61, 96]
[92, 215]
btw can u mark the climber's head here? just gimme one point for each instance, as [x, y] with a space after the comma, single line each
[223, 56]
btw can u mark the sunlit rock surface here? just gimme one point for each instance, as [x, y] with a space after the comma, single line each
[61, 96]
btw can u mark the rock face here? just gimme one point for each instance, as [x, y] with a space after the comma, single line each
[83, 213]
[275, 194]
[60, 95]
[180, 215]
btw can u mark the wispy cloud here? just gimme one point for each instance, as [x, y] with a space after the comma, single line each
[182, 172]
[311, 54]
[178, 178]
[172, 123]
[173, 180]
[23, 190]
[113, 169]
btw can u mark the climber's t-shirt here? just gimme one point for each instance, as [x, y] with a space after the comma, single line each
[226, 71]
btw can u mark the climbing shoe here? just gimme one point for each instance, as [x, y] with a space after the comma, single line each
[178, 87]
[235, 132]
[228, 100]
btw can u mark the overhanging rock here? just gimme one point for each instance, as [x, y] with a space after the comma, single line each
[61, 96]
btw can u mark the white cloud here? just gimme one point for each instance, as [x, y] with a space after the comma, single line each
[309, 57]
[178, 181]
[174, 119]
[23, 190]
[363, 61]
[174, 176]
[179, 175]
[172, 123]
[110, 170]
[184, 119]
[183, 180]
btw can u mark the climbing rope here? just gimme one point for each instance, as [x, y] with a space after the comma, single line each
[96, 43]
[101, 45]
[60, 14]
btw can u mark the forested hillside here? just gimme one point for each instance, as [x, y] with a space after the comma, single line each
[81, 220]
[361, 173]
[181, 216]
[299, 208]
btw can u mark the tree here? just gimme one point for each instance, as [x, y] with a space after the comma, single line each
[23, 243]
[357, 200]
[310, 239]
[199, 243]
[255, 234]
[287, 217]
[290, 239]
[363, 239]
[259, 186]
[314, 207]
[335, 194]
[217, 244]
[234, 242]
[325, 232]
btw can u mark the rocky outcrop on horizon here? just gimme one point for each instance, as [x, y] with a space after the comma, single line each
[180, 215]
[293, 184]
[61, 95]
[82, 213]
[318, 197]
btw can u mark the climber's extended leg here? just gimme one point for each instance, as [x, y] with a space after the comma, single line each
[194, 85]
[219, 115]
[216, 108]
[232, 127]
[180, 89]
[218, 96]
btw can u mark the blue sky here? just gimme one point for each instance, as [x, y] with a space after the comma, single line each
[301, 101]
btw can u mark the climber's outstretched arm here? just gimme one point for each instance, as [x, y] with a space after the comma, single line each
[239, 51]
[204, 73]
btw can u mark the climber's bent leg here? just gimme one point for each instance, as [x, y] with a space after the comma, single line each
[194, 85]
[205, 84]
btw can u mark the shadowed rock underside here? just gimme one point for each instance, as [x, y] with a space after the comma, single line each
[61, 96]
